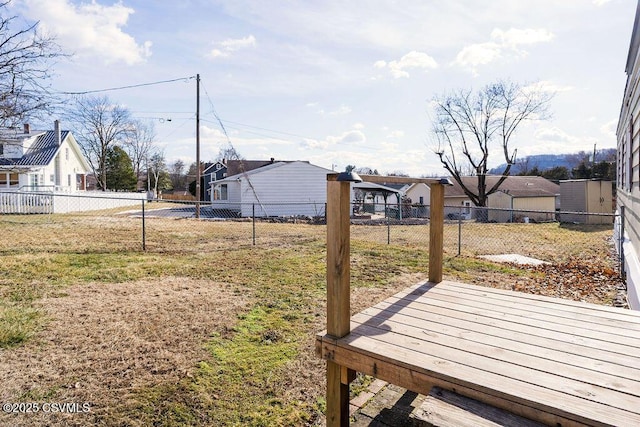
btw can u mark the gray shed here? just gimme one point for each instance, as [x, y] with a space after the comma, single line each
[586, 195]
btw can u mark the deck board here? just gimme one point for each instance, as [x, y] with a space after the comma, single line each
[555, 361]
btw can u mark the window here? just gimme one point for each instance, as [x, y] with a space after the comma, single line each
[33, 180]
[68, 180]
[422, 200]
[14, 179]
[66, 154]
[1, 149]
[220, 192]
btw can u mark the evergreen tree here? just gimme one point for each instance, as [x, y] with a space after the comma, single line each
[119, 170]
[556, 173]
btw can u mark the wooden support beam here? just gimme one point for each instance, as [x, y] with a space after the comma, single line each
[381, 179]
[436, 232]
[338, 247]
[338, 295]
[337, 396]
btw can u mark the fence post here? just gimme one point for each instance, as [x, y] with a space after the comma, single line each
[338, 295]
[436, 230]
[253, 221]
[386, 213]
[460, 231]
[144, 230]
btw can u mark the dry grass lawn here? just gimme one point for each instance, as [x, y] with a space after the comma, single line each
[204, 328]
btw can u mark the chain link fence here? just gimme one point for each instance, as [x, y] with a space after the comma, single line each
[134, 223]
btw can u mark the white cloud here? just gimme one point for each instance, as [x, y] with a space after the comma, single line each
[515, 37]
[208, 132]
[502, 44]
[547, 86]
[478, 54]
[314, 144]
[553, 140]
[341, 111]
[358, 126]
[349, 138]
[554, 135]
[412, 60]
[90, 29]
[600, 2]
[609, 129]
[396, 134]
[226, 47]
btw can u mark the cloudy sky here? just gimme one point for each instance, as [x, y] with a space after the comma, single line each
[341, 82]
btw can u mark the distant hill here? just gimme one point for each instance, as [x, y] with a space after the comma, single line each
[548, 161]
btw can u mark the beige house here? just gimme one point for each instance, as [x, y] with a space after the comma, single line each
[628, 169]
[519, 198]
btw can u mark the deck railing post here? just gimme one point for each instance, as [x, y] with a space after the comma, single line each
[338, 294]
[436, 231]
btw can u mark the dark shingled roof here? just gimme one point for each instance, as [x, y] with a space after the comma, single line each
[235, 167]
[41, 152]
[515, 186]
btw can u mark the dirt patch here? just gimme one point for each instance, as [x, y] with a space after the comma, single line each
[105, 340]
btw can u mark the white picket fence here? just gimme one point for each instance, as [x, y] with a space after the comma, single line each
[29, 202]
[26, 203]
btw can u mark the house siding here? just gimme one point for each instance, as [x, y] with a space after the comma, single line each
[628, 167]
[536, 208]
[286, 189]
[417, 191]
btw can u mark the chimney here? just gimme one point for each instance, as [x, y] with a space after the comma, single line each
[27, 128]
[273, 160]
[56, 128]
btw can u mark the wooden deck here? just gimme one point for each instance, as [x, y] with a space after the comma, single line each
[555, 361]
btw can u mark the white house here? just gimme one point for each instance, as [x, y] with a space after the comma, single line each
[418, 192]
[278, 188]
[41, 160]
[628, 169]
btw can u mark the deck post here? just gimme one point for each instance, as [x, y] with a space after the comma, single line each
[338, 295]
[436, 231]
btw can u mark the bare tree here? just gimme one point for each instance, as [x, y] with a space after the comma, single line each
[99, 124]
[139, 144]
[26, 57]
[470, 126]
[156, 169]
[176, 175]
[228, 153]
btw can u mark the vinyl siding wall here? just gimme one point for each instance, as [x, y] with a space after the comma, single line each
[628, 171]
[546, 205]
[290, 189]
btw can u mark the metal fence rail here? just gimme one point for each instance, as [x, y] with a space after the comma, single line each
[134, 224]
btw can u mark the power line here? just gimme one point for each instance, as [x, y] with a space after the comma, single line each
[266, 129]
[86, 92]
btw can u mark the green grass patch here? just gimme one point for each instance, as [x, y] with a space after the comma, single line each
[251, 365]
[18, 322]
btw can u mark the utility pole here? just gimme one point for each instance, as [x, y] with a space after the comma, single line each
[197, 145]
